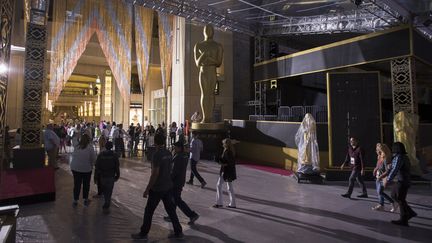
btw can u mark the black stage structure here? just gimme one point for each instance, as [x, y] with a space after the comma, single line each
[353, 96]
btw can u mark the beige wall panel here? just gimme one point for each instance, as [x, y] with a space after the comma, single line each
[15, 91]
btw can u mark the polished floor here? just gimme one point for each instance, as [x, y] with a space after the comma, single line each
[270, 208]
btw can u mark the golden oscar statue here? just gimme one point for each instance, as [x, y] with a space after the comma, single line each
[208, 56]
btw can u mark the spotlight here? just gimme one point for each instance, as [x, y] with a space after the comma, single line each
[358, 2]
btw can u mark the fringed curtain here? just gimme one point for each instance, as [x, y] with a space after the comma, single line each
[114, 32]
[143, 39]
[72, 29]
[166, 30]
[75, 21]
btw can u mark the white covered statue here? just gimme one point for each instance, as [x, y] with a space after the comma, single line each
[306, 141]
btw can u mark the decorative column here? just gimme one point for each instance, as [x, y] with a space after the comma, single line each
[405, 108]
[6, 20]
[36, 48]
[404, 85]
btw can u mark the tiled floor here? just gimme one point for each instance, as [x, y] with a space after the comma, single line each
[271, 208]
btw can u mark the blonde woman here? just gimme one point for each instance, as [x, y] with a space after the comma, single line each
[227, 173]
[384, 159]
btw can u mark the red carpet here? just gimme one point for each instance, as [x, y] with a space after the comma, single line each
[267, 168]
[22, 183]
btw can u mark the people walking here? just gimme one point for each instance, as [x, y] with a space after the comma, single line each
[380, 172]
[401, 169]
[227, 174]
[81, 165]
[108, 171]
[52, 143]
[196, 147]
[118, 136]
[355, 157]
[178, 176]
[172, 134]
[160, 188]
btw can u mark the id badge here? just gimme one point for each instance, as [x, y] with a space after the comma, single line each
[352, 161]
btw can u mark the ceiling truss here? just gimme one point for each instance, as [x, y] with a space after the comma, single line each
[371, 15]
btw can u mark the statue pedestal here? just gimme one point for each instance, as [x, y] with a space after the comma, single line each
[211, 134]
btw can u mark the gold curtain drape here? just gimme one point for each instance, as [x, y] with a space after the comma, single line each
[143, 41]
[74, 23]
[114, 31]
[166, 28]
[72, 28]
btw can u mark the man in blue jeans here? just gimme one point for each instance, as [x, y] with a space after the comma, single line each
[196, 147]
[160, 188]
[355, 157]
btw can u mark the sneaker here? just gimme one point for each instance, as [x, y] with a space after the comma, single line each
[203, 184]
[217, 206]
[378, 207]
[400, 222]
[176, 236]
[394, 208]
[86, 202]
[363, 195]
[229, 206]
[346, 195]
[167, 218]
[193, 219]
[189, 182]
[139, 236]
[75, 203]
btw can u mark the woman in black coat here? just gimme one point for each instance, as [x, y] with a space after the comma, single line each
[227, 174]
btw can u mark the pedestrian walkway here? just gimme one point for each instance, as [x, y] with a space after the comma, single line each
[270, 208]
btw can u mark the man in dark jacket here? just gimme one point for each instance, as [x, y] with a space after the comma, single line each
[401, 169]
[160, 188]
[355, 157]
[178, 176]
[108, 172]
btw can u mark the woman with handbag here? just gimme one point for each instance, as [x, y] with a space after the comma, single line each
[227, 173]
[381, 170]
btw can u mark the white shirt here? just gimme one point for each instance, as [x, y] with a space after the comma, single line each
[113, 128]
[51, 139]
[195, 149]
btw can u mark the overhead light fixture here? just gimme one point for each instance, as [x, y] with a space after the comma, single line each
[98, 80]
[17, 48]
[3, 68]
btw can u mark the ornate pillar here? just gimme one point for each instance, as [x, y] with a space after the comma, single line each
[36, 48]
[6, 20]
[404, 85]
[405, 108]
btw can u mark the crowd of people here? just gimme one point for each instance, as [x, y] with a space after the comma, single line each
[65, 137]
[173, 151]
[91, 147]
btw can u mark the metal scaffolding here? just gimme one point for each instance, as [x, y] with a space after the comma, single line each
[371, 17]
[194, 11]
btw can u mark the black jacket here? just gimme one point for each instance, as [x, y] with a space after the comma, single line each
[178, 173]
[228, 169]
[107, 165]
